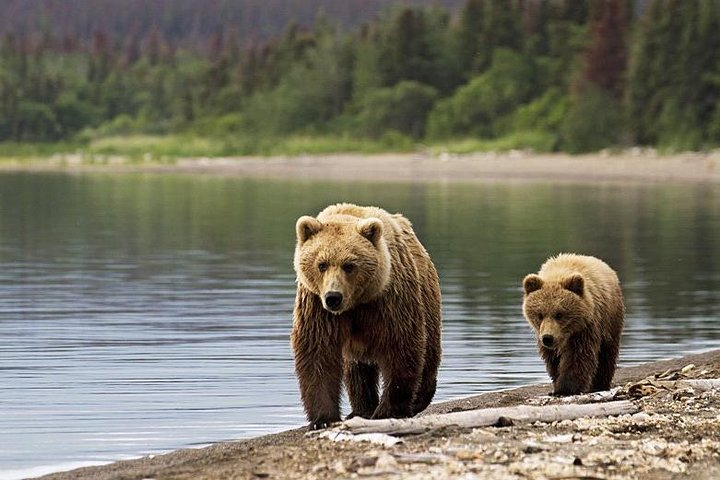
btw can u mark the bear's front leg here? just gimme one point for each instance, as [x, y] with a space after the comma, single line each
[401, 381]
[319, 369]
[319, 374]
[552, 364]
[576, 369]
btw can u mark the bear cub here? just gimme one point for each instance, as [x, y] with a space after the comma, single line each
[367, 306]
[575, 306]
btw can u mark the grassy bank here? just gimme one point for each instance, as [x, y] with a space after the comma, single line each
[168, 148]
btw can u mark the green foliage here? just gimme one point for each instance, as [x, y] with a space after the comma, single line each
[501, 74]
[402, 108]
[677, 127]
[534, 140]
[73, 114]
[595, 121]
[545, 113]
[713, 128]
[14, 151]
[672, 86]
[35, 121]
[484, 26]
[316, 145]
[308, 96]
[416, 44]
[475, 107]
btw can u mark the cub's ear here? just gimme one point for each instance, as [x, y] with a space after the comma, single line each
[306, 227]
[371, 228]
[575, 283]
[531, 283]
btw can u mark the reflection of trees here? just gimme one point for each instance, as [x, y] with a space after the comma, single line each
[483, 237]
[660, 239]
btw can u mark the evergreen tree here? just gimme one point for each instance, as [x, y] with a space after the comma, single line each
[366, 74]
[472, 50]
[406, 49]
[606, 59]
[672, 86]
[536, 19]
[484, 26]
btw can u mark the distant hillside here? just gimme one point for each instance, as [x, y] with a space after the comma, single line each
[185, 21]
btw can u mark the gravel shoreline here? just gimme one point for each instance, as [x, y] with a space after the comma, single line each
[675, 434]
[633, 166]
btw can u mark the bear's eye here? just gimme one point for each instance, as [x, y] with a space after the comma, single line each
[559, 316]
[322, 266]
[348, 267]
[540, 317]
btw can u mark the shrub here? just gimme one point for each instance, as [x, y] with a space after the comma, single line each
[595, 121]
[402, 108]
[475, 107]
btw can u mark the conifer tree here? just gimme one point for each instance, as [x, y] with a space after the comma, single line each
[605, 60]
[672, 92]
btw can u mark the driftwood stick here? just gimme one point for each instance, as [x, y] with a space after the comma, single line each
[487, 417]
[700, 385]
[594, 397]
[376, 438]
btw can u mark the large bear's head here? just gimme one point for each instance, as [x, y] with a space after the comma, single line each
[344, 261]
[556, 310]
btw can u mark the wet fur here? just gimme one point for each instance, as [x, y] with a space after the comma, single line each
[389, 329]
[587, 294]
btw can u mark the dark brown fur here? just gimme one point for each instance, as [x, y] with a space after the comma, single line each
[388, 324]
[575, 305]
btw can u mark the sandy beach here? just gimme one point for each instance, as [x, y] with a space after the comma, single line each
[633, 166]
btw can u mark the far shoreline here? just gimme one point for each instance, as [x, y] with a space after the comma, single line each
[633, 166]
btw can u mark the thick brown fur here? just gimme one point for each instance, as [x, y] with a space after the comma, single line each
[575, 306]
[387, 323]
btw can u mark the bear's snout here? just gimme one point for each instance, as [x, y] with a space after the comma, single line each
[548, 341]
[333, 301]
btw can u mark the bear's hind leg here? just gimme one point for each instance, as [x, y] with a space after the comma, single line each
[428, 383]
[607, 361]
[361, 380]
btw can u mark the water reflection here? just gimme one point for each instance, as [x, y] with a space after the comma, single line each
[146, 313]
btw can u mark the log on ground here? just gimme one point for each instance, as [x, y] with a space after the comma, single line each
[488, 417]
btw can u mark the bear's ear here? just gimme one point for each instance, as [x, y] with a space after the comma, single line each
[306, 227]
[575, 283]
[371, 228]
[531, 283]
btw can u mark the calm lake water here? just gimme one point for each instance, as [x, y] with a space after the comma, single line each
[140, 314]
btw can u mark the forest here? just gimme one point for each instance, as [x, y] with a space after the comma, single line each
[546, 75]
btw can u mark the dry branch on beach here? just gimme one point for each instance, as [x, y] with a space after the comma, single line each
[543, 409]
[487, 417]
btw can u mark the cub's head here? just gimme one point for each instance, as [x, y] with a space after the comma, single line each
[556, 310]
[344, 261]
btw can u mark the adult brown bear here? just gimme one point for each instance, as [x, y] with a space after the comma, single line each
[367, 305]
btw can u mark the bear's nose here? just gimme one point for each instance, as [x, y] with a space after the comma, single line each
[333, 300]
[548, 340]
